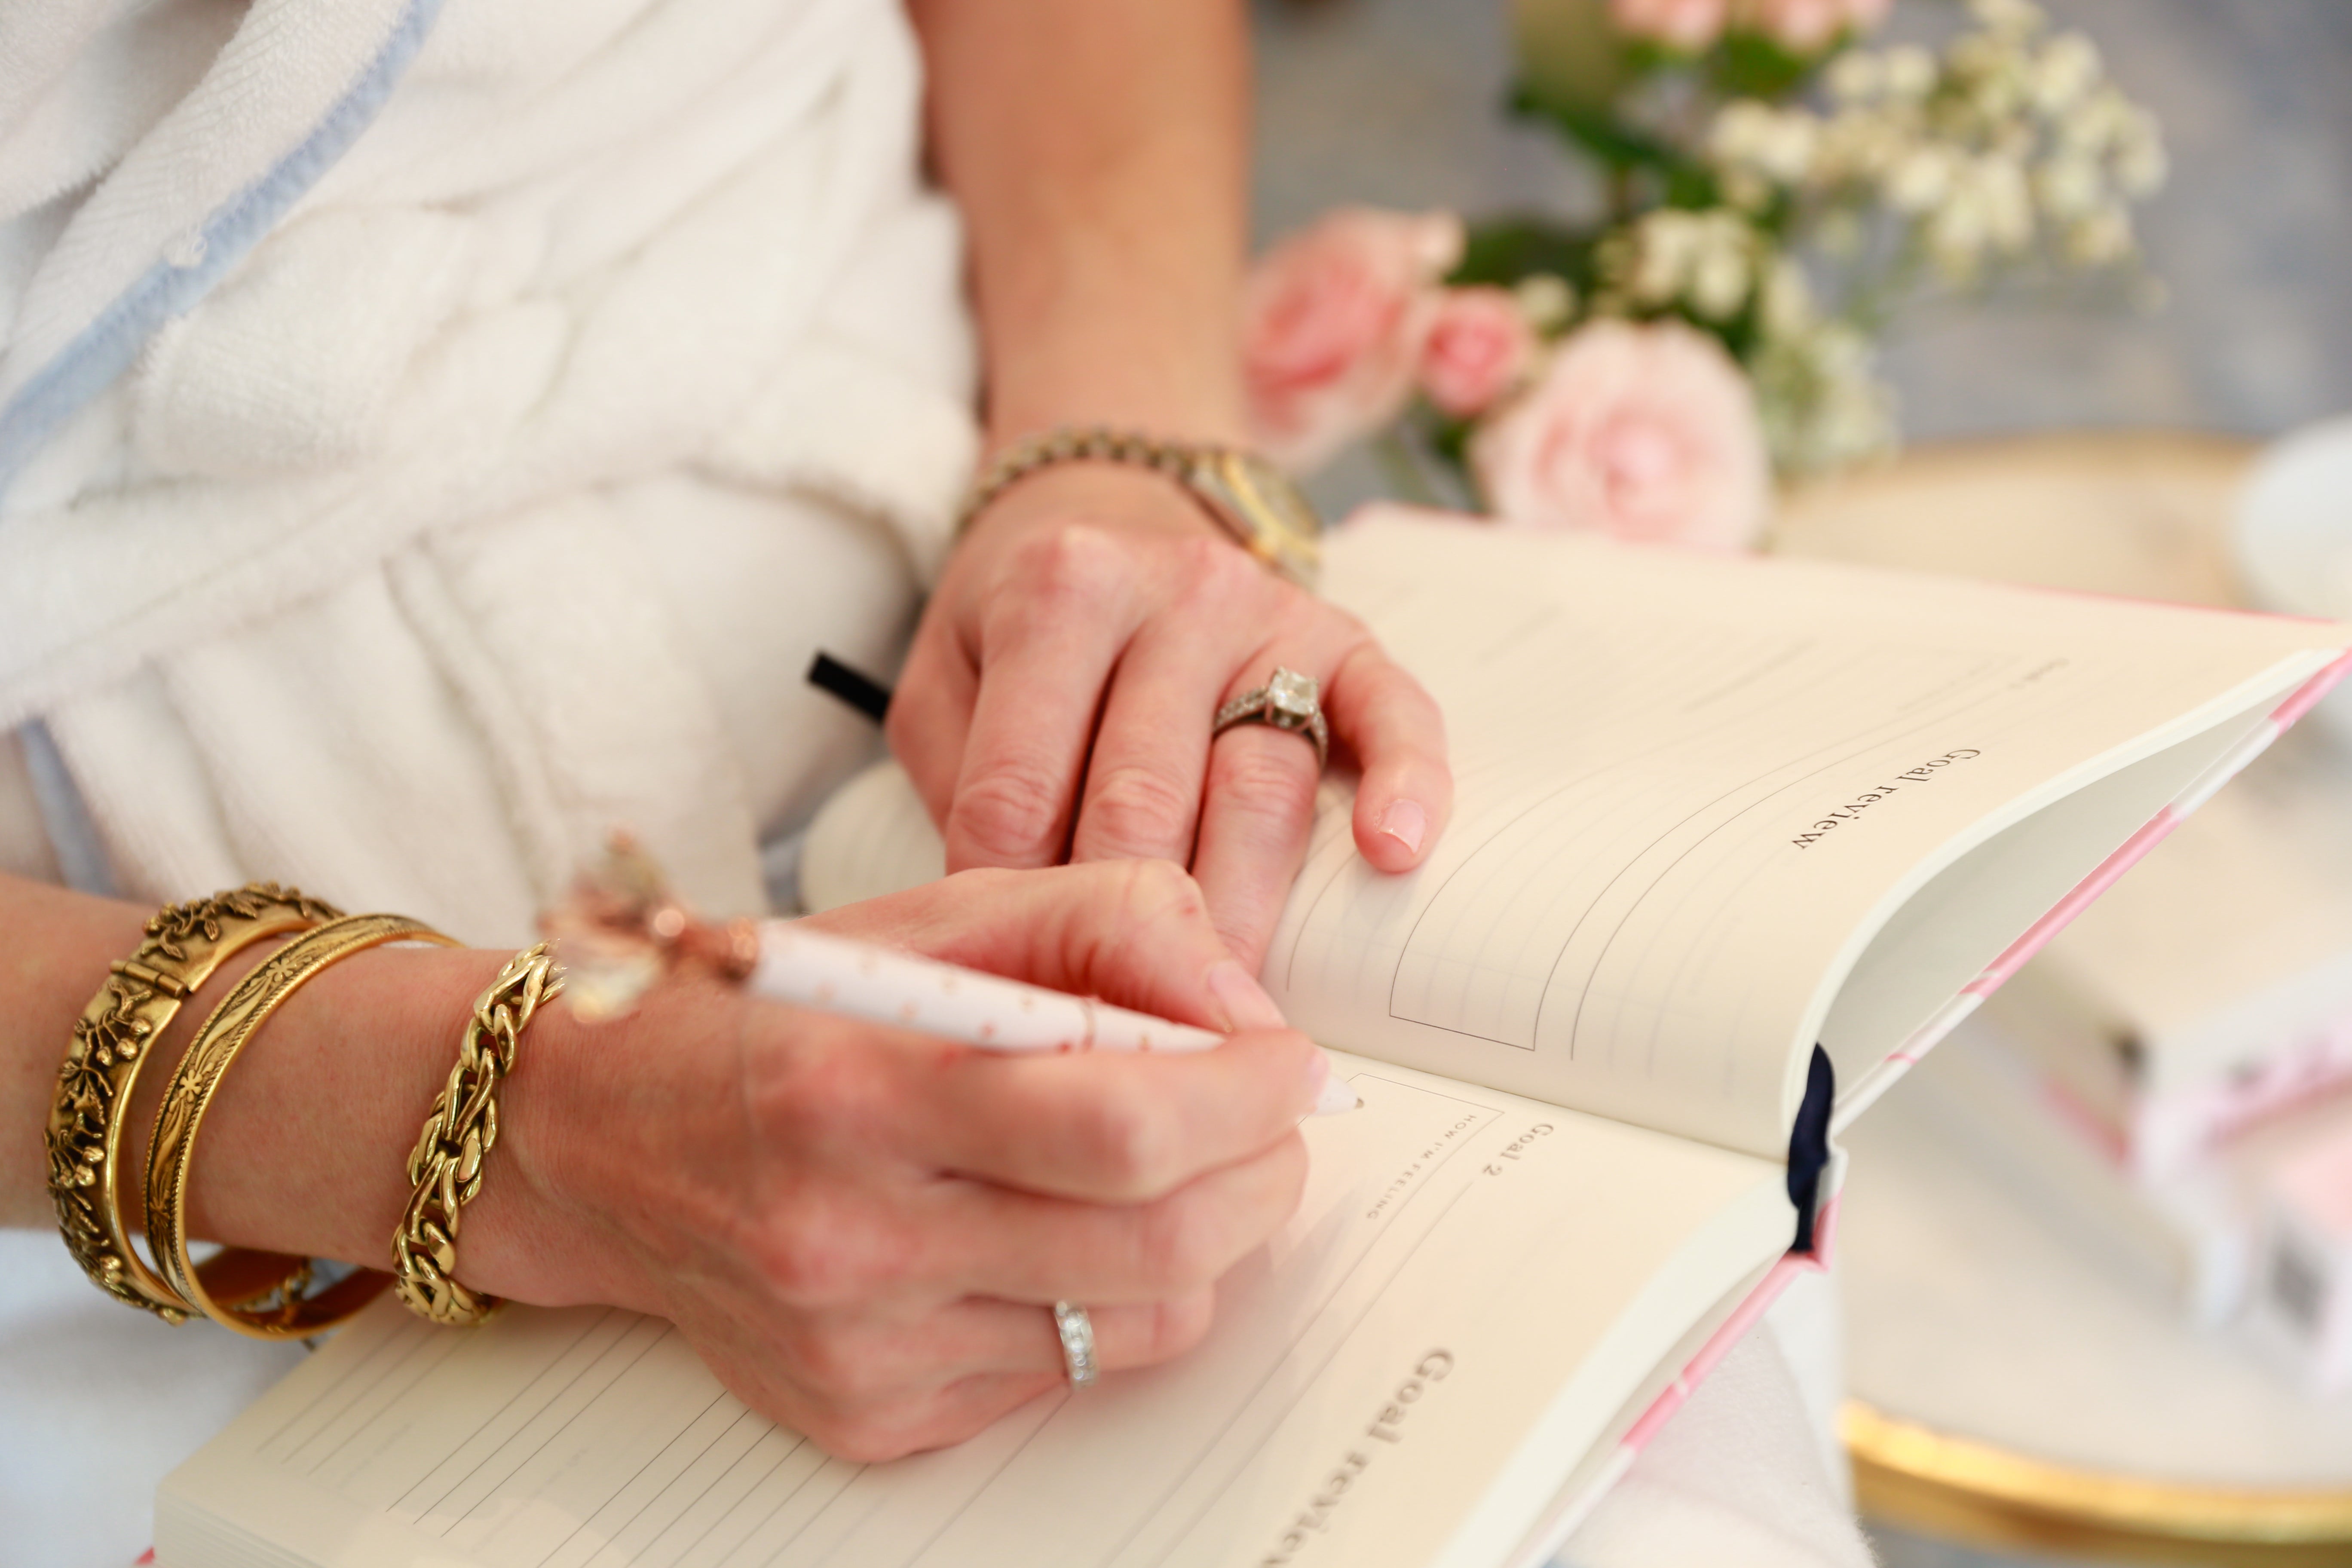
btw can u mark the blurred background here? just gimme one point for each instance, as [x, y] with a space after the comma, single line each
[2243, 335]
[1397, 103]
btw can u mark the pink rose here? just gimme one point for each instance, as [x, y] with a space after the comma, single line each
[1686, 25]
[1334, 318]
[1641, 432]
[1479, 345]
[1802, 26]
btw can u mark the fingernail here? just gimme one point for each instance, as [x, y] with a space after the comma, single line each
[1246, 1005]
[1332, 1095]
[1405, 821]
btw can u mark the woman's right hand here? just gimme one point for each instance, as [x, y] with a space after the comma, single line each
[861, 1230]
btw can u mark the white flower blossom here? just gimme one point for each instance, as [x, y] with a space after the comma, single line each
[2067, 67]
[2008, 18]
[1822, 405]
[1785, 306]
[1857, 76]
[1666, 243]
[1919, 181]
[1708, 262]
[1910, 73]
[2010, 127]
[1775, 142]
[2008, 139]
[2069, 186]
[2008, 203]
[1546, 300]
[1719, 283]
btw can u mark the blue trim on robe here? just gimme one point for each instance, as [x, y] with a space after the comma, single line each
[106, 347]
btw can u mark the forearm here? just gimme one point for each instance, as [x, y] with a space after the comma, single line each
[1098, 149]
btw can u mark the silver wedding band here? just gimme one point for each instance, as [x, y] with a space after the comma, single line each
[1288, 700]
[1077, 1332]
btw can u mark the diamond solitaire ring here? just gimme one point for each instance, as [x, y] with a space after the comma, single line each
[1077, 1332]
[1288, 700]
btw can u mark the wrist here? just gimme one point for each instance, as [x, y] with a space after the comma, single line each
[542, 1229]
[615, 1146]
[305, 1148]
[1191, 421]
[1096, 491]
[1116, 367]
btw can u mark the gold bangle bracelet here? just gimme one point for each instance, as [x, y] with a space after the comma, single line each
[292, 1314]
[445, 1173]
[182, 946]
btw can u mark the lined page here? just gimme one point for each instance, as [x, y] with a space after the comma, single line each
[1464, 1267]
[1688, 788]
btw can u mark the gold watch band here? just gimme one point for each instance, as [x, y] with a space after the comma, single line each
[1244, 494]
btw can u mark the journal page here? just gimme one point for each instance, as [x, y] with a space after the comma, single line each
[1472, 1289]
[1691, 787]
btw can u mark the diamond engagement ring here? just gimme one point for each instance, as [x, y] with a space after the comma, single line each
[1288, 700]
[1077, 1332]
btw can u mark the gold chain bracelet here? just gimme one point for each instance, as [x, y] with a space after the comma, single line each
[279, 1283]
[445, 1172]
[182, 946]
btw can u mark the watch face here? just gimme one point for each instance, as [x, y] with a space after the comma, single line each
[1268, 496]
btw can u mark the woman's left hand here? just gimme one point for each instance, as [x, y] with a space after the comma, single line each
[1057, 702]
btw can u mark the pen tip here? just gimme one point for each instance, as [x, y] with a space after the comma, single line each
[1337, 1097]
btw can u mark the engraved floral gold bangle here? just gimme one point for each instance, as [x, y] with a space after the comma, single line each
[275, 1282]
[445, 1172]
[182, 946]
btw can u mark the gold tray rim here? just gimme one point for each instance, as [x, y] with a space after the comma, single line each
[1910, 1474]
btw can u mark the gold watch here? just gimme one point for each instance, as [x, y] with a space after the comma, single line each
[1249, 498]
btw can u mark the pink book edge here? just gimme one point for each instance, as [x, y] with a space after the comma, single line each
[1767, 1290]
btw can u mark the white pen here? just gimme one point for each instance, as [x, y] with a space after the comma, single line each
[622, 928]
[838, 975]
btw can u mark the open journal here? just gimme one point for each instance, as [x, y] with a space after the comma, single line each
[1736, 842]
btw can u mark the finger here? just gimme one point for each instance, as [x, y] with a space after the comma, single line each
[1048, 653]
[1398, 736]
[991, 1336]
[1150, 753]
[860, 1358]
[877, 1391]
[1255, 823]
[1022, 1247]
[1133, 932]
[1111, 1129]
[930, 716]
[875, 1432]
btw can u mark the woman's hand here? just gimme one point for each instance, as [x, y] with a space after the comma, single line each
[1057, 702]
[861, 1231]
[1059, 698]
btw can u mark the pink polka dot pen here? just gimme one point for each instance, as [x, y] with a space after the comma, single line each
[815, 969]
[622, 928]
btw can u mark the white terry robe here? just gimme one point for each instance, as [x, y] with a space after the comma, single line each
[435, 432]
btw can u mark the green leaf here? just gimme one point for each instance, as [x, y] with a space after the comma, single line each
[1693, 187]
[1754, 65]
[1503, 251]
[1613, 143]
